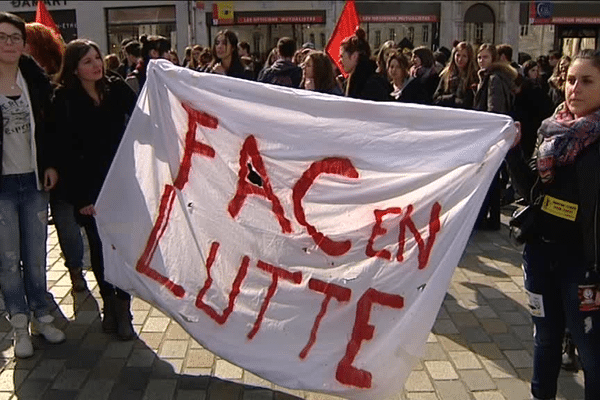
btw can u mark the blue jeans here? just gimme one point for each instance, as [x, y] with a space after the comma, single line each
[554, 271]
[23, 232]
[68, 231]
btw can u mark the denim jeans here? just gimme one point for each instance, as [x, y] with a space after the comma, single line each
[23, 232]
[554, 271]
[68, 231]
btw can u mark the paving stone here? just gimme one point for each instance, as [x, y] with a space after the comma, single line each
[176, 332]
[226, 370]
[141, 358]
[444, 326]
[514, 318]
[167, 368]
[493, 395]
[254, 380]
[494, 326]
[33, 388]
[499, 369]
[86, 359]
[150, 339]
[464, 319]
[47, 369]
[488, 350]
[441, 370]
[434, 351]
[451, 390]
[519, 358]
[465, 360]
[418, 381]
[199, 358]
[422, 396]
[173, 349]
[190, 395]
[514, 388]
[96, 389]
[258, 394]
[485, 312]
[222, 390]
[193, 383]
[453, 342]
[121, 392]
[120, 349]
[108, 368]
[507, 341]
[477, 380]
[160, 389]
[156, 324]
[475, 335]
[70, 379]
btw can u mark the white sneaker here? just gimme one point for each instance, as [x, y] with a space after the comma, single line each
[22, 341]
[43, 326]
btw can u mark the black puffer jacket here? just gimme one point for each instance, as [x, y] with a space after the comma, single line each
[40, 94]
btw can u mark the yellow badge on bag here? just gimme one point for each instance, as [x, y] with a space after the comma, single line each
[560, 208]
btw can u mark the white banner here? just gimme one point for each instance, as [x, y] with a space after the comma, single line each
[307, 238]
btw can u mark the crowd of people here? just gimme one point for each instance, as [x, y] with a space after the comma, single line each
[64, 108]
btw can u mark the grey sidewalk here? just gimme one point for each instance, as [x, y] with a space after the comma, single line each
[480, 347]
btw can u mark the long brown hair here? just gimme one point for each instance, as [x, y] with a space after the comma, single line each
[322, 71]
[74, 52]
[468, 76]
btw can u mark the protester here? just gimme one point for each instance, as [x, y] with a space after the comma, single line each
[195, 63]
[153, 47]
[532, 106]
[423, 69]
[174, 57]
[458, 79]
[363, 81]
[133, 54]
[283, 72]
[560, 258]
[226, 60]
[494, 94]
[44, 46]
[111, 63]
[383, 55]
[406, 88]
[317, 74]
[557, 81]
[187, 56]
[28, 158]
[91, 113]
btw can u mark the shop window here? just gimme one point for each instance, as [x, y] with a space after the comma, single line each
[411, 34]
[126, 23]
[323, 40]
[425, 34]
[256, 42]
[524, 30]
[311, 38]
[377, 39]
[392, 34]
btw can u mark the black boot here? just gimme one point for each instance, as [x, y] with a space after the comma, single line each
[77, 280]
[124, 328]
[109, 314]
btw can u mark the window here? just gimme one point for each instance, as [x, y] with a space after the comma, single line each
[524, 30]
[125, 23]
[425, 34]
[479, 32]
[377, 39]
[392, 34]
[323, 40]
[311, 38]
[411, 34]
[256, 42]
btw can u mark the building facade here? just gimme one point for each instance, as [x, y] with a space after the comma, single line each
[533, 27]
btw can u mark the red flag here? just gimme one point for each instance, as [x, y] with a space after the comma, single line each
[346, 26]
[43, 17]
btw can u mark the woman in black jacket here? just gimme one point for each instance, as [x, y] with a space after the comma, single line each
[363, 81]
[28, 161]
[91, 112]
[561, 256]
[226, 58]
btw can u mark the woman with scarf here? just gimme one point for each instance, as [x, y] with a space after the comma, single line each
[561, 257]
[406, 88]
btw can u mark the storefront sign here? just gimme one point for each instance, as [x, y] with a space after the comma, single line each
[281, 20]
[33, 4]
[399, 18]
[223, 13]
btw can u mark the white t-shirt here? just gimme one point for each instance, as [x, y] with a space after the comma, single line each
[17, 157]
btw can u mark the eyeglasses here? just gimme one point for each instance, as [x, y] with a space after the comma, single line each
[15, 38]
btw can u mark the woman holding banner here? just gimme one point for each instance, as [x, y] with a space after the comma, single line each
[91, 112]
[562, 252]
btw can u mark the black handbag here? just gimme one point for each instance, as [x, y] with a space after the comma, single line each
[523, 225]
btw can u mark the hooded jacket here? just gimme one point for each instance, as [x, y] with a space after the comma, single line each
[282, 73]
[495, 90]
[365, 83]
[40, 95]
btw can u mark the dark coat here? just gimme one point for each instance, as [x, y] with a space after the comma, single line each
[364, 83]
[40, 94]
[495, 90]
[579, 183]
[456, 96]
[90, 136]
[412, 92]
[429, 79]
[283, 73]
[532, 106]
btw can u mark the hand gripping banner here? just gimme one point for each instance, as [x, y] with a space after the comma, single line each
[307, 238]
